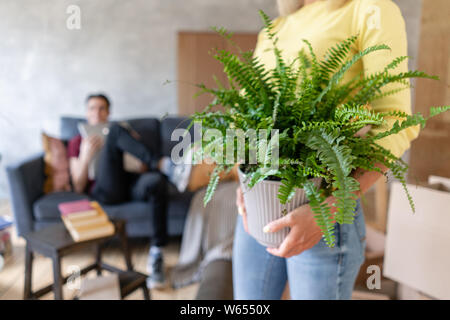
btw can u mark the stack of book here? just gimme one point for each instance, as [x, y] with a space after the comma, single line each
[85, 220]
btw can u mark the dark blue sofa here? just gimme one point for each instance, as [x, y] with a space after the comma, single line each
[34, 210]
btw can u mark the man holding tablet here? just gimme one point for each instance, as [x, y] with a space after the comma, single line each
[97, 168]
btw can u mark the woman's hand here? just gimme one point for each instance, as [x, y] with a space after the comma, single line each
[241, 206]
[304, 234]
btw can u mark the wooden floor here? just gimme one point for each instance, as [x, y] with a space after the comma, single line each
[12, 274]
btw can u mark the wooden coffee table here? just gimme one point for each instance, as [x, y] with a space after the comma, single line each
[55, 242]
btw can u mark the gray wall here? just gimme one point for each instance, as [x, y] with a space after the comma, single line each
[125, 48]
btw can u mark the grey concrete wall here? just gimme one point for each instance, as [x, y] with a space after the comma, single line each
[125, 48]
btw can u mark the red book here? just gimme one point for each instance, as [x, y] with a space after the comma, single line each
[67, 208]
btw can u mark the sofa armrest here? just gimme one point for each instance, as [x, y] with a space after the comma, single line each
[26, 181]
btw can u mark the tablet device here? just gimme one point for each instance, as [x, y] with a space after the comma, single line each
[87, 130]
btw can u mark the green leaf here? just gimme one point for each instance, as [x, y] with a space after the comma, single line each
[338, 159]
[322, 213]
[212, 186]
[317, 115]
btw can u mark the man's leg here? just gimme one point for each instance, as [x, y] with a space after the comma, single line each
[111, 181]
[152, 187]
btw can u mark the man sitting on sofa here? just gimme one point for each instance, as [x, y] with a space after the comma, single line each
[113, 184]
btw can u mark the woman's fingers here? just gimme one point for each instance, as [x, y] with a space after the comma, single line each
[304, 233]
[285, 249]
[244, 217]
[286, 221]
[279, 224]
[240, 201]
[241, 207]
[363, 131]
[288, 244]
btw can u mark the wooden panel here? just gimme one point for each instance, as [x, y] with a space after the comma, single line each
[430, 153]
[196, 64]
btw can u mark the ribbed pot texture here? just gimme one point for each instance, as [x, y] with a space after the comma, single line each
[263, 206]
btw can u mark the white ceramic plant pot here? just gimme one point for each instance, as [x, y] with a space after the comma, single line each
[263, 206]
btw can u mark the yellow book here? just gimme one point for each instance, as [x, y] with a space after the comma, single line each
[89, 226]
[89, 220]
[93, 232]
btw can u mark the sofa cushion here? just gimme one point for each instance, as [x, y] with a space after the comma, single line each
[56, 165]
[46, 207]
[179, 203]
[134, 228]
[135, 210]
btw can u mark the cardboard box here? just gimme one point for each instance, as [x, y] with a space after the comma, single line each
[417, 244]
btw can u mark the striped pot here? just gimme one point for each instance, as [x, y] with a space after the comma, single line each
[263, 206]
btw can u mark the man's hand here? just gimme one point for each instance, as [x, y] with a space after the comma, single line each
[89, 147]
[304, 233]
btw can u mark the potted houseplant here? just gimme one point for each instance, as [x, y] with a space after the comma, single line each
[311, 124]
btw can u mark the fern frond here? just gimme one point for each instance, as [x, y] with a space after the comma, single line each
[410, 121]
[434, 111]
[346, 66]
[338, 159]
[212, 185]
[321, 212]
[335, 57]
[398, 171]
[287, 187]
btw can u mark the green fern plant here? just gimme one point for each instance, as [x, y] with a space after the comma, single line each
[317, 117]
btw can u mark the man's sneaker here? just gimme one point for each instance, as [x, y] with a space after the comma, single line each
[155, 267]
[178, 174]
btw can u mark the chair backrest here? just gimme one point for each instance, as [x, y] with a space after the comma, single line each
[68, 127]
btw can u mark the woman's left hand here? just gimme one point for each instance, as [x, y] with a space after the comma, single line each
[304, 234]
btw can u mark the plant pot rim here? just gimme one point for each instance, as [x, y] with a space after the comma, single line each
[273, 182]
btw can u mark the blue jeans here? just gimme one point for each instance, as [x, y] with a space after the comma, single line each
[318, 273]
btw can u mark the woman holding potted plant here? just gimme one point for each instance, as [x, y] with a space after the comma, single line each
[336, 119]
[314, 270]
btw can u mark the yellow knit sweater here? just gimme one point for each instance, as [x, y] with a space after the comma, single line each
[375, 22]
